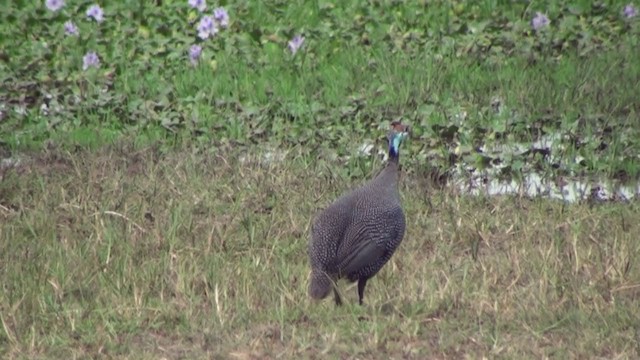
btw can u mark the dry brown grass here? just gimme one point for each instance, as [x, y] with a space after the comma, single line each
[130, 252]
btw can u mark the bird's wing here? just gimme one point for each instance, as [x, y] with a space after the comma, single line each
[364, 254]
[366, 242]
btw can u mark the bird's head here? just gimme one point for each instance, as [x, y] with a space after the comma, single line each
[398, 132]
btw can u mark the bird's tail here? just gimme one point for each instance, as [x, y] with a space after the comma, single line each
[320, 285]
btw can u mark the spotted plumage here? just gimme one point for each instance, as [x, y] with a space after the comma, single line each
[357, 234]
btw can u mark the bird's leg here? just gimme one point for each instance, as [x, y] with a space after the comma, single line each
[336, 297]
[362, 282]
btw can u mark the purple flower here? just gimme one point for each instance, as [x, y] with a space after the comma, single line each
[207, 27]
[194, 54]
[95, 12]
[54, 5]
[91, 59]
[201, 5]
[296, 43]
[70, 28]
[221, 17]
[539, 21]
[629, 11]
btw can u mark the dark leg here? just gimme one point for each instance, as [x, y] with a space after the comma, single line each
[336, 296]
[362, 282]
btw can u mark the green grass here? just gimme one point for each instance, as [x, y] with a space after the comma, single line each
[361, 65]
[130, 252]
[143, 220]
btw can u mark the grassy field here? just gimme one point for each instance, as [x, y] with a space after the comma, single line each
[134, 253]
[156, 204]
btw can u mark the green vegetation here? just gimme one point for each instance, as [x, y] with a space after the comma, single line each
[442, 66]
[150, 207]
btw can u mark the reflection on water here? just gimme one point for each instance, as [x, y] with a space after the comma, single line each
[534, 185]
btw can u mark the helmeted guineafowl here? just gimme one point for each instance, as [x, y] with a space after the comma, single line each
[357, 234]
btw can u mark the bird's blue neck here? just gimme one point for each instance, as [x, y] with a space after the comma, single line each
[394, 149]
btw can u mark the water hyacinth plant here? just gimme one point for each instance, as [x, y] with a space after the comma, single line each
[210, 25]
[539, 21]
[295, 44]
[95, 12]
[201, 5]
[221, 17]
[89, 60]
[194, 54]
[629, 11]
[54, 5]
[70, 28]
[207, 27]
